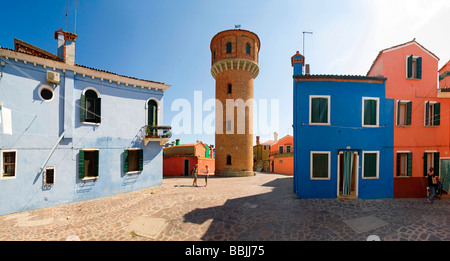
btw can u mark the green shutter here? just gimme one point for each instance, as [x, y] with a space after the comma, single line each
[427, 112]
[319, 110]
[320, 166]
[410, 58]
[436, 163]
[370, 112]
[81, 164]
[425, 169]
[398, 164]
[96, 162]
[398, 113]
[419, 67]
[141, 159]
[323, 110]
[98, 110]
[370, 165]
[83, 108]
[437, 114]
[125, 161]
[409, 166]
[408, 113]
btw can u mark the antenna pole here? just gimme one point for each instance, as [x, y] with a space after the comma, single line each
[304, 41]
[75, 30]
[67, 10]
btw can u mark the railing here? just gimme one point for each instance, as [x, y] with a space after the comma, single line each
[157, 133]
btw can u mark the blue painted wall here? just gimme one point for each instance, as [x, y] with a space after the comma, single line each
[38, 124]
[344, 131]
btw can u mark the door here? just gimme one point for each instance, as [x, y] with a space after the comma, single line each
[152, 117]
[186, 167]
[445, 174]
[348, 174]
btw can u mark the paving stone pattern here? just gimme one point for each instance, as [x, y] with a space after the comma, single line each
[262, 207]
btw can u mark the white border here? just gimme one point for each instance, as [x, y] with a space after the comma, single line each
[157, 110]
[48, 88]
[378, 164]
[1, 164]
[311, 164]
[425, 114]
[397, 112]
[54, 175]
[378, 112]
[328, 110]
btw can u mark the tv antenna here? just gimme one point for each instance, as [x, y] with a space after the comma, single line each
[304, 42]
[237, 26]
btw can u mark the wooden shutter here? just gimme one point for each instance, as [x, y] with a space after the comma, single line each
[398, 163]
[408, 113]
[410, 58]
[98, 110]
[83, 108]
[125, 161]
[437, 114]
[96, 154]
[398, 113]
[436, 163]
[81, 164]
[427, 112]
[141, 159]
[425, 169]
[409, 165]
[419, 67]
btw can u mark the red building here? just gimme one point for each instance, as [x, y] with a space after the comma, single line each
[179, 160]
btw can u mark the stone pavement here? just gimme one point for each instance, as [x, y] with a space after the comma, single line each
[256, 208]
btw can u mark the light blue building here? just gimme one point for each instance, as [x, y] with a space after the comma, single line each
[343, 135]
[70, 133]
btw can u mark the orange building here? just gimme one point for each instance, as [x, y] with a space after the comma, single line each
[421, 132]
[179, 160]
[282, 156]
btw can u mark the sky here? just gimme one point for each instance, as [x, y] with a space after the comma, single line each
[168, 41]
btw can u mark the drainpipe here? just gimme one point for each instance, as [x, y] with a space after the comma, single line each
[51, 152]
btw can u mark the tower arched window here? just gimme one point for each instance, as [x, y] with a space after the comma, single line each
[228, 47]
[230, 88]
[247, 48]
[90, 107]
[228, 160]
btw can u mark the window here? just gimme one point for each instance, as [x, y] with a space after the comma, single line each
[370, 164]
[265, 147]
[9, 162]
[370, 112]
[228, 47]
[90, 107]
[404, 113]
[281, 162]
[432, 113]
[247, 48]
[230, 89]
[49, 176]
[430, 160]
[46, 93]
[288, 149]
[88, 164]
[133, 160]
[280, 150]
[404, 164]
[320, 165]
[319, 110]
[228, 160]
[414, 67]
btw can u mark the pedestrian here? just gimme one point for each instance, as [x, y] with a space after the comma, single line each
[432, 182]
[206, 175]
[194, 173]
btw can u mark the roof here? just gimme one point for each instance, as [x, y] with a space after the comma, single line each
[29, 49]
[447, 63]
[339, 77]
[399, 46]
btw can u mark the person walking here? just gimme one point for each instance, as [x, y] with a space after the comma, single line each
[431, 185]
[206, 175]
[194, 173]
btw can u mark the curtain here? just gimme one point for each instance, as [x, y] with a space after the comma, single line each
[348, 170]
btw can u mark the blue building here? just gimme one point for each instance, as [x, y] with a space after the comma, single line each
[343, 132]
[70, 133]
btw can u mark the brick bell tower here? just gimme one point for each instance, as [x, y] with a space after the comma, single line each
[234, 59]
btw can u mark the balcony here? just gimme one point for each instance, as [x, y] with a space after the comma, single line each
[161, 134]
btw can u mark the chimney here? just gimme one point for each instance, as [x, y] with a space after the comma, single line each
[275, 137]
[177, 142]
[66, 46]
[297, 61]
[257, 140]
[306, 69]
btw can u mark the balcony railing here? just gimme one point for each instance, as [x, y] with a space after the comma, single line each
[157, 133]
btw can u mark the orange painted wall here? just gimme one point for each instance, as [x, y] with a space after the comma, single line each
[286, 167]
[174, 165]
[416, 138]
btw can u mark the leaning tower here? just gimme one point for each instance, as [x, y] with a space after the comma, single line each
[234, 59]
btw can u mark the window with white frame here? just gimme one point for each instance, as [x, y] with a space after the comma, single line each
[430, 160]
[414, 67]
[319, 110]
[133, 160]
[280, 150]
[370, 115]
[432, 113]
[404, 164]
[9, 163]
[404, 113]
[320, 164]
[288, 148]
[370, 164]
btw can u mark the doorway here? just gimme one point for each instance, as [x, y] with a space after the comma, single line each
[186, 167]
[348, 162]
[445, 174]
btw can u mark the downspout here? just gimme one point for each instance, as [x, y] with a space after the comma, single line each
[51, 152]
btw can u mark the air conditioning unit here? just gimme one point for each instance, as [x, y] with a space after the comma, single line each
[53, 77]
